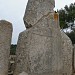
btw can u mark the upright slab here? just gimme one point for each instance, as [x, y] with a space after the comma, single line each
[67, 50]
[5, 42]
[39, 47]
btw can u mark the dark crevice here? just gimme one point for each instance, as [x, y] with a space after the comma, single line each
[27, 25]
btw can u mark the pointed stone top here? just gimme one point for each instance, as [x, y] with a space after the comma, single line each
[36, 9]
[64, 36]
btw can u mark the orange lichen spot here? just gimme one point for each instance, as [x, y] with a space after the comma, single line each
[56, 16]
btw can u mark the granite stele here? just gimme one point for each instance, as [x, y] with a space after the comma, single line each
[39, 47]
[39, 50]
[5, 43]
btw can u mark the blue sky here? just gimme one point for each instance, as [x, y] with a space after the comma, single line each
[13, 11]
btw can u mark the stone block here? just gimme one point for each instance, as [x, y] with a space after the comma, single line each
[67, 51]
[39, 49]
[36, 9]
[5, 43]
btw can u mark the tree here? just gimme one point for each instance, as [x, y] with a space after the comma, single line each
[62, 19]
[67, 18]
[71, 36]
[67, 15]
[13, 49]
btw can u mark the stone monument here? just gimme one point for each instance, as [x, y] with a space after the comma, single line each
[39, 50]
[74, 59]
[67, 50]
[5, 43]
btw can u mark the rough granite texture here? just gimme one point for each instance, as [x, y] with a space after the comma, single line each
[39, 48]
[5, 42]
[67, 50]
[23, 73]
[74, 59]
[36, 9]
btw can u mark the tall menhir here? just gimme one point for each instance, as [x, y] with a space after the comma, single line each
[5, 43]
[39, 47]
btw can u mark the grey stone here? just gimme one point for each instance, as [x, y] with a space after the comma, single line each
[39, 48]
[36, 9]
[74, 58]
[42, 49]
[23, 73]
[67, 50]
[5, 42]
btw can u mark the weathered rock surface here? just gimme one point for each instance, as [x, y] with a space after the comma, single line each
[74, 59]
[5, 42]
[39, 48]
[67, 50]
[23, 73]
[43, 49]
[36, 9]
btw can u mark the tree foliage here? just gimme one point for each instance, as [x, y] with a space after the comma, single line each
[67, 18]
[67, 15]
[13, 49]
[72, 36]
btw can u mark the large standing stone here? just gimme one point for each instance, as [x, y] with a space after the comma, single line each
[67, 50]
[5, 42]
[39, 47]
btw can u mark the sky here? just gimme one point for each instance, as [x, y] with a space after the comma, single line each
[13, 11]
